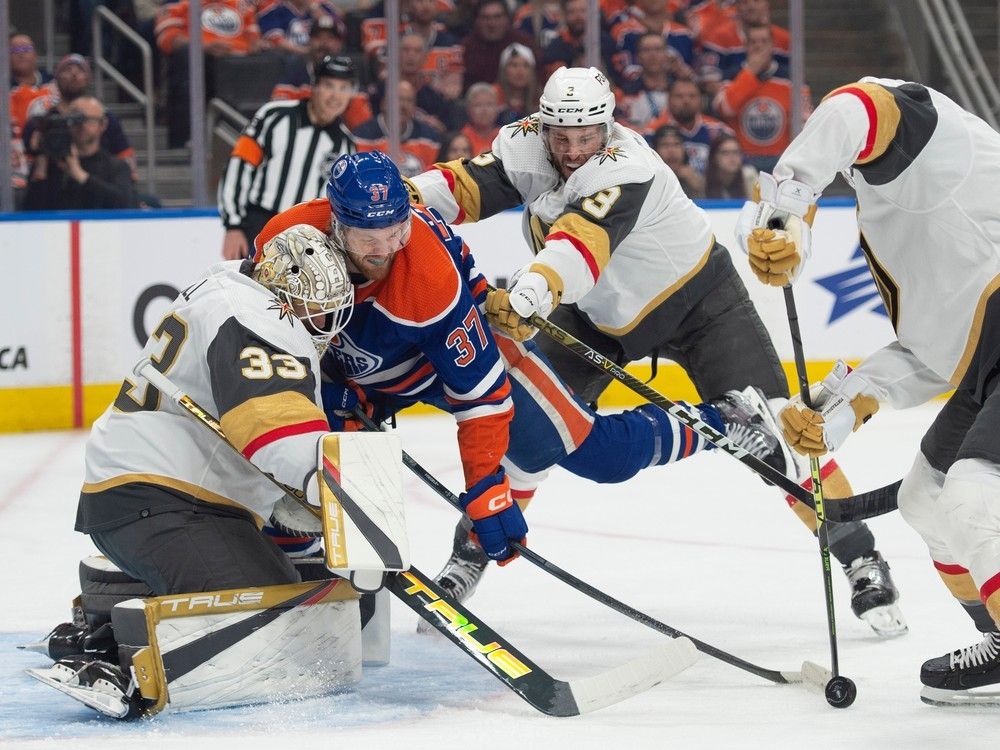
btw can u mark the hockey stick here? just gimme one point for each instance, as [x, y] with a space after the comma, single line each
[853, 508]
[492, 652]
[840, 691]
[810, 672]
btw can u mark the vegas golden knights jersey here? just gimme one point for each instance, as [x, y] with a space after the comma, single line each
[242, 355]
[927, 176]
[619, 232]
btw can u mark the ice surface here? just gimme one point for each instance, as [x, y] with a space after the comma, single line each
[703, 546]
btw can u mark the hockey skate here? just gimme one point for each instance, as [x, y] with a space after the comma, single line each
[967, 677]
[874, 595]
[750, 424]
[462, 572]
[95, 683]
[70, 639]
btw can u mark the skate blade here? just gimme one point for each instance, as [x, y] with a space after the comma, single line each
[887, 621]
[988, 697]
[109, 705]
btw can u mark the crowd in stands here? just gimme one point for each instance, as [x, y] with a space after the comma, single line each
[706, 82]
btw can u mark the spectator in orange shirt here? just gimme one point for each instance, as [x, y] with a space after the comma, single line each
[27, 80]
[517, 86]
[757, 103]
[482, 106]
[725, 45]
[228, 27]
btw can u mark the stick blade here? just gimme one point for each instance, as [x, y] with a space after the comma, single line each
[631, 678]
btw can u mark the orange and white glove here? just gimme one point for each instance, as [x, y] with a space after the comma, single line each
[775, 229]
[842, 402]
[536, 289]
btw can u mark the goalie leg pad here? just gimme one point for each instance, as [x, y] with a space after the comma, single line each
[242, 646]
[360, 489]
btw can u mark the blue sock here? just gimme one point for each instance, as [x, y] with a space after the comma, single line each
[621, 445]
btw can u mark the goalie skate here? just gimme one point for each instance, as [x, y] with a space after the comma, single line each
[97, 684]
[874, 595]
[462, 572]
[967, 677]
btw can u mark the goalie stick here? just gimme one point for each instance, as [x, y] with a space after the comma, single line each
[811, 673]
[492, 652]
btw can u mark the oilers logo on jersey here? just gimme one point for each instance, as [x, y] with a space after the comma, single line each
[763, 121]
[353, 360]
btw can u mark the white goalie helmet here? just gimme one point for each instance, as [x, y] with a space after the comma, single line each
[303, 269]
[576, 97]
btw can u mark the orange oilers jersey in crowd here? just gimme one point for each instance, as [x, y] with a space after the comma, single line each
[723, 46]
[759, 110]
[418, 336]
[444, 50]
[241, 354]
[480, 143]
[229, 22]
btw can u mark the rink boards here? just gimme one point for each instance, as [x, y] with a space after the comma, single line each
[84, 290]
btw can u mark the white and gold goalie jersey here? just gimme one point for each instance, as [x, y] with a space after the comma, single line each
[242, 355]
[927, 176]
[620, 232]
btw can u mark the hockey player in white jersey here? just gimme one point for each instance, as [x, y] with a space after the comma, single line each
[178, 512]
[629, 265]
[927, 177]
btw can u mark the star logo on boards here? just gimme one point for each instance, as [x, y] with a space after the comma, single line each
[853, 288]
[284, 310]
[610, 152]
[525, 126]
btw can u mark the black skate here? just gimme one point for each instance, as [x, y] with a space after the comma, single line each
[462, 572]
[750, 424]
[95, 683]
[874, 595]
[71, 639]
[967, 677]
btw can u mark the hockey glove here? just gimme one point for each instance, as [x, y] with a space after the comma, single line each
[496, 518]
[536, 289]
[841, 404]
[775, 228]
[339, 402]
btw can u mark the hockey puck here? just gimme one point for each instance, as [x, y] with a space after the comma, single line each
[841, 691]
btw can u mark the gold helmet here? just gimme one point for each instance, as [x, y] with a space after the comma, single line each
[304, 270]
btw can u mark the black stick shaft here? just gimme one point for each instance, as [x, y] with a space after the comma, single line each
[817, 484]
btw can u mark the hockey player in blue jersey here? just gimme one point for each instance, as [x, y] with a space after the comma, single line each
[417, 334]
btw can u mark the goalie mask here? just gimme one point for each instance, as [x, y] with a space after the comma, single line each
[302, 268]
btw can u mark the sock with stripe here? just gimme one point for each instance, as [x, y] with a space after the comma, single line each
[621, 445]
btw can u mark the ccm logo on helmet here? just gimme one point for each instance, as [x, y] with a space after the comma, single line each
[376, 214]
[570, 110]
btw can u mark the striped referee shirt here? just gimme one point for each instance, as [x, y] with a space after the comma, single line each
[280, 159]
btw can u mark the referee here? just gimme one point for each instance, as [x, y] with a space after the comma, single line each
[283, 157]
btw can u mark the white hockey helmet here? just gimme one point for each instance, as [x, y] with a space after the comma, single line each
[576, 97]
[300, 265]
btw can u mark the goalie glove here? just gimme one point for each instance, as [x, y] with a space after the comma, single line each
[774, 229]
[536, 289]
[496, 518]
[842, 402]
